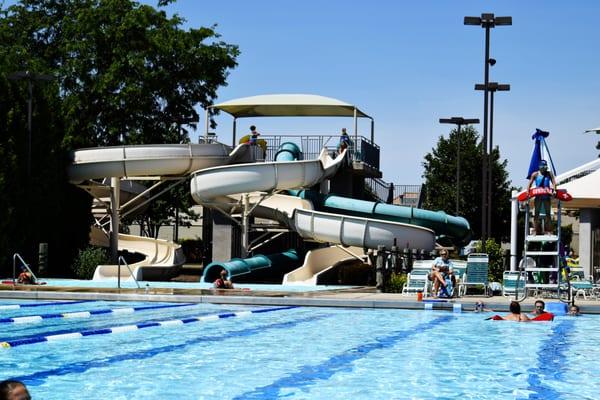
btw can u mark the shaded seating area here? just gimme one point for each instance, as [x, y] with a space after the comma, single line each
[417, 279]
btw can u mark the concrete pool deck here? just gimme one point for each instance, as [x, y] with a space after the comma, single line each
[366, 297]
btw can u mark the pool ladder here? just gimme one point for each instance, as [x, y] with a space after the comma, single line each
[17, 257]
[122, 260]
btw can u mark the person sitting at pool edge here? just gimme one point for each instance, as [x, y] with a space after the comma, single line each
[222, 282]
[515, 313]
[13, 390]
[25, 277]
[441, 269]
[574, 310]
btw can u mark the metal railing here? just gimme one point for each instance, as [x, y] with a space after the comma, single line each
[18, 257]
[402, 195]
[363, 150]
[122, 260]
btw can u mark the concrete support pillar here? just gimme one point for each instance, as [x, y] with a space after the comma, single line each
[588, 219]
[245, 225]
[226, 241]
[380, 268]
[115, 193]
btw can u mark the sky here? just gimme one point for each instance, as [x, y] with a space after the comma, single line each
[410, 63]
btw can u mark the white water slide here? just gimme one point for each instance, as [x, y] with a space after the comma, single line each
[219, 185]
[212, 187]
[161, 162]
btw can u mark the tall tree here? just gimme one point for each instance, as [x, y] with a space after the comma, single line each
[125, 73]
[440, 181]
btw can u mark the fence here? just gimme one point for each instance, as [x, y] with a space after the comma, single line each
[402, 195]
[363, 150]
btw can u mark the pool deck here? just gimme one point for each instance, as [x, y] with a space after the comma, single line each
[365, 297]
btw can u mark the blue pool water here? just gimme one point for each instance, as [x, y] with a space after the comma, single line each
[298, 353]
[181, 285]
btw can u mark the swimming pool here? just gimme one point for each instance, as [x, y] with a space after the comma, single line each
[128, 284]
[296, 353]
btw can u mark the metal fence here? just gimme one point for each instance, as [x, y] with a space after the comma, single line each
[364, 150]
[403, 195]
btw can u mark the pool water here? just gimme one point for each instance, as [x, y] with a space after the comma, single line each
[129, 284]
[300, 353]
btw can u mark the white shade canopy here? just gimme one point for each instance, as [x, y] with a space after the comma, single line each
[289, 105]
[585, 191]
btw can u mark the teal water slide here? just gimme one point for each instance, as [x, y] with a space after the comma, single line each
[456, 229]
[444, 225]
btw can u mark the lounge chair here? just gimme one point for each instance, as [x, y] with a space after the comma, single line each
[476, 274]
[416, 281]
[513, 282]
[583, 288]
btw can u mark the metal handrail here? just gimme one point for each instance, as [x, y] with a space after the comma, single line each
[24, 264]
[119, 261]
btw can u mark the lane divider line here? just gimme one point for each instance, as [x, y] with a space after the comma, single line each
[87, 314]
[128, 328]
[56, 303]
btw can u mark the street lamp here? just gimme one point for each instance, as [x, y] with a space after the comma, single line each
[459, 122]
[30, 77]
[493, 87]
[486, 21]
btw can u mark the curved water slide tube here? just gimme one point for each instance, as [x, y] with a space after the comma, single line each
[142, 161]
[214, 186]
[319, 261]
[456, 228]
[242, 266]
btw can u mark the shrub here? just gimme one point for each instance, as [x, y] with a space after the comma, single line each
[495, 254]
[395, 283]
[87, 260]
[192, 249]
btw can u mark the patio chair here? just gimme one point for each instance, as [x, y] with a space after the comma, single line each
[476, 274]
[513, 282]
[422, 265]
[460, 268]
[583, 288]
[416, 281]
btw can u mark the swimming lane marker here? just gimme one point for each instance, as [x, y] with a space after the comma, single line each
[86, 314]
[129, 328]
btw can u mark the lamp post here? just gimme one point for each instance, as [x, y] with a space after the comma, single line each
[459, 122]
[30, 77]
[486, 21]
[493, 87]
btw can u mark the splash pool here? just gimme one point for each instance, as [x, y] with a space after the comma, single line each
[119, 350]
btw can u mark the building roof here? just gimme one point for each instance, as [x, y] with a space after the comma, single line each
[289, 105]
[585, 191]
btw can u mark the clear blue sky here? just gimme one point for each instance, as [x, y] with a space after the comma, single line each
[409, 63]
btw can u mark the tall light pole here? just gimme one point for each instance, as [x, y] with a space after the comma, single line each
[493, 87]
[486, 21]
[459, 122]
[30, 77]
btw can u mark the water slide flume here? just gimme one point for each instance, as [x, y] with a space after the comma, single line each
[360, 232]
[215, 186]
[212, 184]
[166, 160]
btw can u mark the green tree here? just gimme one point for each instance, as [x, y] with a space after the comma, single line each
[124, 73]
[440, 182]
